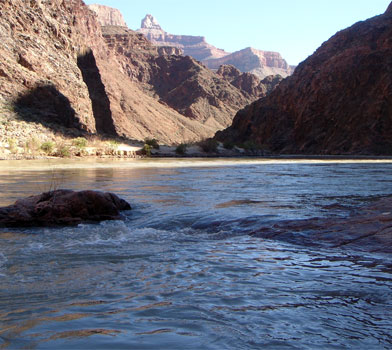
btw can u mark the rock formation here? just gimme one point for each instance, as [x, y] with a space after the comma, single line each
[108, 16]
[39, 76]
[195, 46]
[260, 63]
[179, 82]
[59, 70]
[64, 208]
[149, 22]
[338, 101]
[248, 82]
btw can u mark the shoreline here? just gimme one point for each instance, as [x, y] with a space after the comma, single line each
[51, 164]
[197, 155]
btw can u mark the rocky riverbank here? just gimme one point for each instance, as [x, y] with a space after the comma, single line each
[21, 139]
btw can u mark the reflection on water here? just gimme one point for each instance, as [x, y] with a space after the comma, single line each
[181, 271]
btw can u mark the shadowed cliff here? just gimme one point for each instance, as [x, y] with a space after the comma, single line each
[46, 105]
[338, 101]
[100, 102]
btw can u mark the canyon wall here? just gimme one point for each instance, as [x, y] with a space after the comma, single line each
[338, 101]
[59, 70]
[179, 82]
[39, 75]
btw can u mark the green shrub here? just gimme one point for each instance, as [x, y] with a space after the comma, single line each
[12, 144]
[113, 143]
[111, 147]
[32, 145]
[48, 147]
[80, 142]
[152, 142]
[63, 151]
[147, 150]
[181, 149]
[209, 145]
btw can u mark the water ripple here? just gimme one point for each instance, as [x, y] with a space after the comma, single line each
[181, 272]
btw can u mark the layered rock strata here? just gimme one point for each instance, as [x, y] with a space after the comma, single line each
[195, 46]
[260, 63]
[338, 101]
[108, 16]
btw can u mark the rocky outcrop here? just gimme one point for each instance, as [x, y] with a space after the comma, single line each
[260, 63]
[169, 51]
[149, 22]
[39, 76]
[64, 208]
[245, 81]
[195, 46]
[338, 101]
[271, 82]
[108, 16]
[248, 82]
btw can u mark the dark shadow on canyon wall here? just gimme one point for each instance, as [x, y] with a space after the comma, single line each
[46, 105]
[100, 102]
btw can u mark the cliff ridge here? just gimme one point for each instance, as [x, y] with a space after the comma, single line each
[338, 101]
[260, 63]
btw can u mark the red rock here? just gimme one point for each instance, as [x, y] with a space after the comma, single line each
[59, 70]
[63, 207]
[248, 82]
[179, 82]
[338, 101]
[38, 48]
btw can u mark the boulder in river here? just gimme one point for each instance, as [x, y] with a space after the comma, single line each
[63, 208]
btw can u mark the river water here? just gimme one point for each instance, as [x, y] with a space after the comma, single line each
[182, 272]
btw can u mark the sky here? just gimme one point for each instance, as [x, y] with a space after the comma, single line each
[294, 28]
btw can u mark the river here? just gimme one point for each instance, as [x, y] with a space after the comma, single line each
[181, 270]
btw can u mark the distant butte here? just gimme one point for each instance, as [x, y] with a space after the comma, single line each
[195, 46]
[260, 63]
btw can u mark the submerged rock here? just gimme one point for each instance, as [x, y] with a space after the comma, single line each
[63, 208]
[368, 228]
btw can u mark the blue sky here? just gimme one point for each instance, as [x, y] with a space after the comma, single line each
[295, 28]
